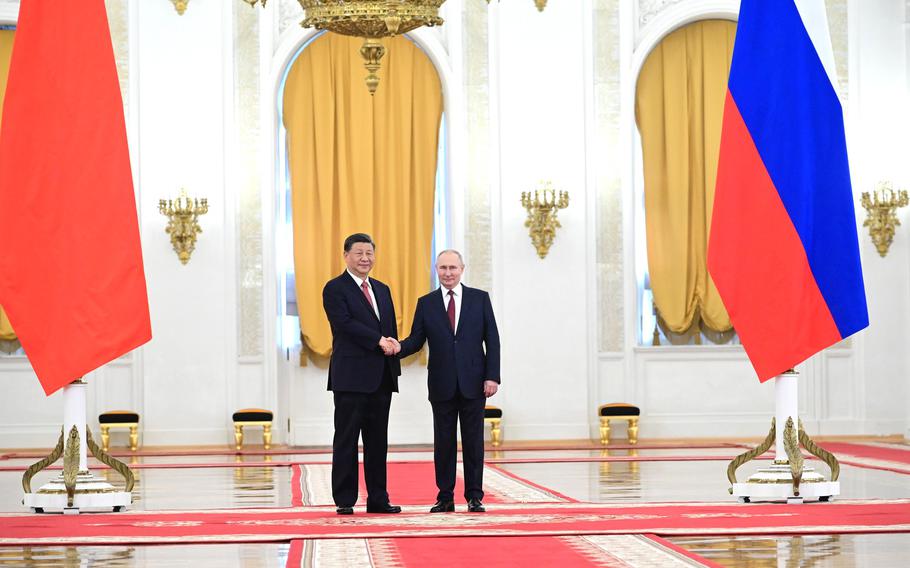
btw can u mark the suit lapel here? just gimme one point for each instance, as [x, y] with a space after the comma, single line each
[465, 307]
[359, 292]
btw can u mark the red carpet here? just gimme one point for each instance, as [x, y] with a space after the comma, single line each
[614, 551]
[414, 483]
[281, 525]
[896, 453]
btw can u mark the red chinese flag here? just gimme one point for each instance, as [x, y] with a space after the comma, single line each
[71, 275]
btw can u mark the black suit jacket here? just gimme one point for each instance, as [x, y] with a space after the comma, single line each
[358, 363]
[456, 359]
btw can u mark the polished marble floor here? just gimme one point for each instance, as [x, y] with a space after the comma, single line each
[223, 481]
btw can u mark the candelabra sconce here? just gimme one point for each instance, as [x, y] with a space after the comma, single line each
[183, 226]
[542, 223]
[881, 218]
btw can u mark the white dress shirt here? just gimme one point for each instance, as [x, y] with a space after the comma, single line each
[459, 294]
[360, 282]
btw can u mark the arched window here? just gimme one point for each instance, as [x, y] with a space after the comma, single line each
[387, 178]
[679, 110]
[9, 343]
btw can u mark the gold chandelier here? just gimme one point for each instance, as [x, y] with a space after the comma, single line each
[372, 20]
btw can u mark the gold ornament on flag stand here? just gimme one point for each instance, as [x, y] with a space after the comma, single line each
[787, 478]
[183, 222]
[76, 489]
[881, 218]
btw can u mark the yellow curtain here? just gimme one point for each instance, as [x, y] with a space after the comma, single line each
[361, 164]
[679, 111]
[6, 50]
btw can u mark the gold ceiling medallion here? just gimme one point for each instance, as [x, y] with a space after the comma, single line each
[541, 4]
[180, 5]
[881, 218]
[370, 20]
[542, 223]
[253, 3]
[183, 226]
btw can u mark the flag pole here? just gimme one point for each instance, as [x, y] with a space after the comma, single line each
[75, 488]
[787, 478]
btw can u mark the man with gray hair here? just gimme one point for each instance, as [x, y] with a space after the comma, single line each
[463, 372]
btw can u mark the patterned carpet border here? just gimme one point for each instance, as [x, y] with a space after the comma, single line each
[560, 519]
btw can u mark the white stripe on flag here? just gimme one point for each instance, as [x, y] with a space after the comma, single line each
[815, 20]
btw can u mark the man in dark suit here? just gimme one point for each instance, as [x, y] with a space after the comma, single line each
[362, 378]
[463, 371]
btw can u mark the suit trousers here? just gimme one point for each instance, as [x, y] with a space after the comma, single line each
[446, 415]
[361, 414]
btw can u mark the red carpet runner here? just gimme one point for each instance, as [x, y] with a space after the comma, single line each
[280, 525]
[613, 551]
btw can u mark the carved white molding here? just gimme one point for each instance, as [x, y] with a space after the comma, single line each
[9, 11]
[649, 9]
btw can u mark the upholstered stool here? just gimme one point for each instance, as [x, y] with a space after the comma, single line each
[253, 417]
[618, 411]
[119, 419]
[493, 416]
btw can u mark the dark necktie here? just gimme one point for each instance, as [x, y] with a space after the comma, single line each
[366, 292]
[451, 309]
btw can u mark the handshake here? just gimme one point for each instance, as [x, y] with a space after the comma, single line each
[390, 346]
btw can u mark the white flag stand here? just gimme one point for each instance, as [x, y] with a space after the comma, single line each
[76, 489]
[787, 478]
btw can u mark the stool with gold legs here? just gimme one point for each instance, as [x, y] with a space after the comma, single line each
[253, 417]
[492, 415]
[119, 419]
[618, 411]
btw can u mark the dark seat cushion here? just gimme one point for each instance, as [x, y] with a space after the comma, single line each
[492, 412]
[619, 409]
[118, 417]
[253, 415]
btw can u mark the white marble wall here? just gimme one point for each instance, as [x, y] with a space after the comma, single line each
[532, 97]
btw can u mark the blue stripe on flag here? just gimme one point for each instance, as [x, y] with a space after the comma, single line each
[796, 120]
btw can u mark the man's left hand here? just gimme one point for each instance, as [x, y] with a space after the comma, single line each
[490, 388]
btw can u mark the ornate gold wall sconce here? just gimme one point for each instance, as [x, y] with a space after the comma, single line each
[180, 5]
[542, 223]
[881, 218]
[183, 226]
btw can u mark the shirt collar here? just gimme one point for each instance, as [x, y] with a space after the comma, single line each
[359, 280]
[457, 289]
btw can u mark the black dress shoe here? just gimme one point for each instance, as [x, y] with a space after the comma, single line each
[345, 510]
[443, 507]
[387, 508]
[475, 506]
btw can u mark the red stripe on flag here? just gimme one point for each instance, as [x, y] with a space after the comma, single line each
[758, 262]
[71, 273]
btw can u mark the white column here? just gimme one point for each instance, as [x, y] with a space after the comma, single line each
[786, 404]
[74, 413]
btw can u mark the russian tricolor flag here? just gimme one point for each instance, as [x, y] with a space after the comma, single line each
[783, 249]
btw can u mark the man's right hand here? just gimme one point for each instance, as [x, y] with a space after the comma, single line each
[390, 346]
